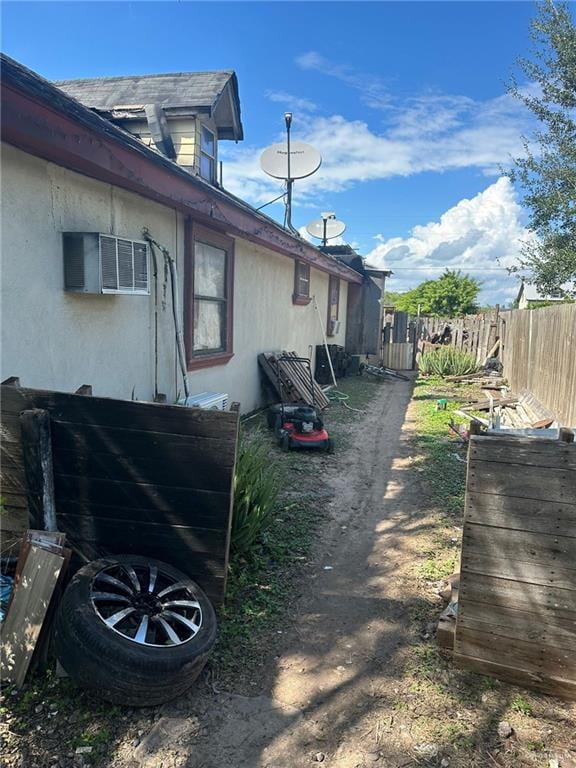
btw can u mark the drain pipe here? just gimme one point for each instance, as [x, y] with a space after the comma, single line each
[325, 341]
[175, 306]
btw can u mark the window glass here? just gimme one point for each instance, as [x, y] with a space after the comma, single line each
[302, 279]
[209, 325]
[207, 142]
[209, 271]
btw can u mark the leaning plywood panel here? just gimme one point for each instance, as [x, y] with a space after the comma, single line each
[27, 611]
[517, 602]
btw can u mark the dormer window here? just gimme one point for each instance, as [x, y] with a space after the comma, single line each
[207, 154]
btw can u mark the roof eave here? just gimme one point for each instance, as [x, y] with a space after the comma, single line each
[39, 118]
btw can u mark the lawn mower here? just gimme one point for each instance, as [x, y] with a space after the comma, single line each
[298, 425]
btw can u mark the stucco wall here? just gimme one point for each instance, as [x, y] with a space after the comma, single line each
[54, 339]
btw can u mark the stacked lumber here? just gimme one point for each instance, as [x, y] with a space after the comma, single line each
[516, 412]
[291, 379]
[482, 378]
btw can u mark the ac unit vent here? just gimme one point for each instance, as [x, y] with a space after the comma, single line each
[96, 263]
[216, 401]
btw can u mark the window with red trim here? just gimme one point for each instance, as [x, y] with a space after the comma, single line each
[301, 293]
[209, 290]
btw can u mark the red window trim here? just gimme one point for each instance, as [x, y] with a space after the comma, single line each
[192, 233]
[331, 280]
[301, 299]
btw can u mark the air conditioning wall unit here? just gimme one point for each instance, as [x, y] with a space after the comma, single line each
[97, 263]
[334, 328]
[214, 401]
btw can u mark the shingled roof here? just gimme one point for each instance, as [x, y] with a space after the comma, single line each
[179, 93]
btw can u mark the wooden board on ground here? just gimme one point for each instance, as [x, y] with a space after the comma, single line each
[517, 600]
[28, 608]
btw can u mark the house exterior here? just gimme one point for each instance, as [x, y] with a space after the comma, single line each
[130, 163]
[529, 297]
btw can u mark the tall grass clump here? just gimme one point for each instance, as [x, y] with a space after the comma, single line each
[447, 361]
[256, 487]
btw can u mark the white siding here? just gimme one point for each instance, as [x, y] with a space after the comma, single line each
[53, 339]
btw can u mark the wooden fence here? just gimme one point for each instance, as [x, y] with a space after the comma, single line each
[129, 478]
[517, 596]
[537, 349]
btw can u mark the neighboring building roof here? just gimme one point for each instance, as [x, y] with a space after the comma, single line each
[347, 255]
[530, 293]
[179, 94]
[41, 119]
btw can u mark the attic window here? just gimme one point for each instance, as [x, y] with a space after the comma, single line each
[207, 154]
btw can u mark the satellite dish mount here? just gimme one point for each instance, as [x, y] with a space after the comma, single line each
[326, 228]
[290, 161]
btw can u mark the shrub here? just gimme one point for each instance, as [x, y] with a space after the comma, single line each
[447, 361]
[255, 492]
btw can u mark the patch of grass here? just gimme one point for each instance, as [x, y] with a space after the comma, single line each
[442, 454]
[433, 569]
[521, 705]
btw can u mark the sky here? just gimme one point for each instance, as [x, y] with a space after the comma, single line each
[405, 101]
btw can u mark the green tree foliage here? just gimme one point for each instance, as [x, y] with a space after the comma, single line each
[547, 171]
[391, 298]
[451, 295]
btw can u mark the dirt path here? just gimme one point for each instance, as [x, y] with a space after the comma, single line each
[322, 697]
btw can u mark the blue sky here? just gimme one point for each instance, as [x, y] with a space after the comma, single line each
[405, 101]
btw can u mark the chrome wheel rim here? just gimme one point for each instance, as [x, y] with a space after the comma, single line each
[146, 605]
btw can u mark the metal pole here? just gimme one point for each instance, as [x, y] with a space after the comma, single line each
[289, 181]
[325, 239]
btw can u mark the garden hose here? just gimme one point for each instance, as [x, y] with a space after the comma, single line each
[341, 397]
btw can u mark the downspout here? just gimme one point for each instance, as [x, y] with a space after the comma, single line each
[175, 306]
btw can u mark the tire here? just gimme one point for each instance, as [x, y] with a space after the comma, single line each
[330, 445]
[123, 670]
[285, 443]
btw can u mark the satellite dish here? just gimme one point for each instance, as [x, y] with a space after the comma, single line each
[326, 229]
[304, 160]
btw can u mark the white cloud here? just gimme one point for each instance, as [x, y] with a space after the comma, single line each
[293, 102]
[430, 133]
[372, 89]
[480, 236]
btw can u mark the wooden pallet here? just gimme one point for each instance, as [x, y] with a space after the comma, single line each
[294, 379]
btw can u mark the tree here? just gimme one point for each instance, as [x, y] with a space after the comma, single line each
[451, 295]
[391, 298]
[547, 171]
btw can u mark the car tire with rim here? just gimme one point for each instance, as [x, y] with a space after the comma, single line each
[134, 630]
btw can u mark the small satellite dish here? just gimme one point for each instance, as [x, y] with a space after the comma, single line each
[326, 229]
[304, 160]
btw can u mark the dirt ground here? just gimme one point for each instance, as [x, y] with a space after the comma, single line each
[353, 678]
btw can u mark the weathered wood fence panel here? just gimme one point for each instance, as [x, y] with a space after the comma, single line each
[537, 349]
[133, 477]
[517, 597]
[540, 356]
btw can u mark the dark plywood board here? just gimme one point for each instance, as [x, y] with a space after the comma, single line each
[138, 478]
